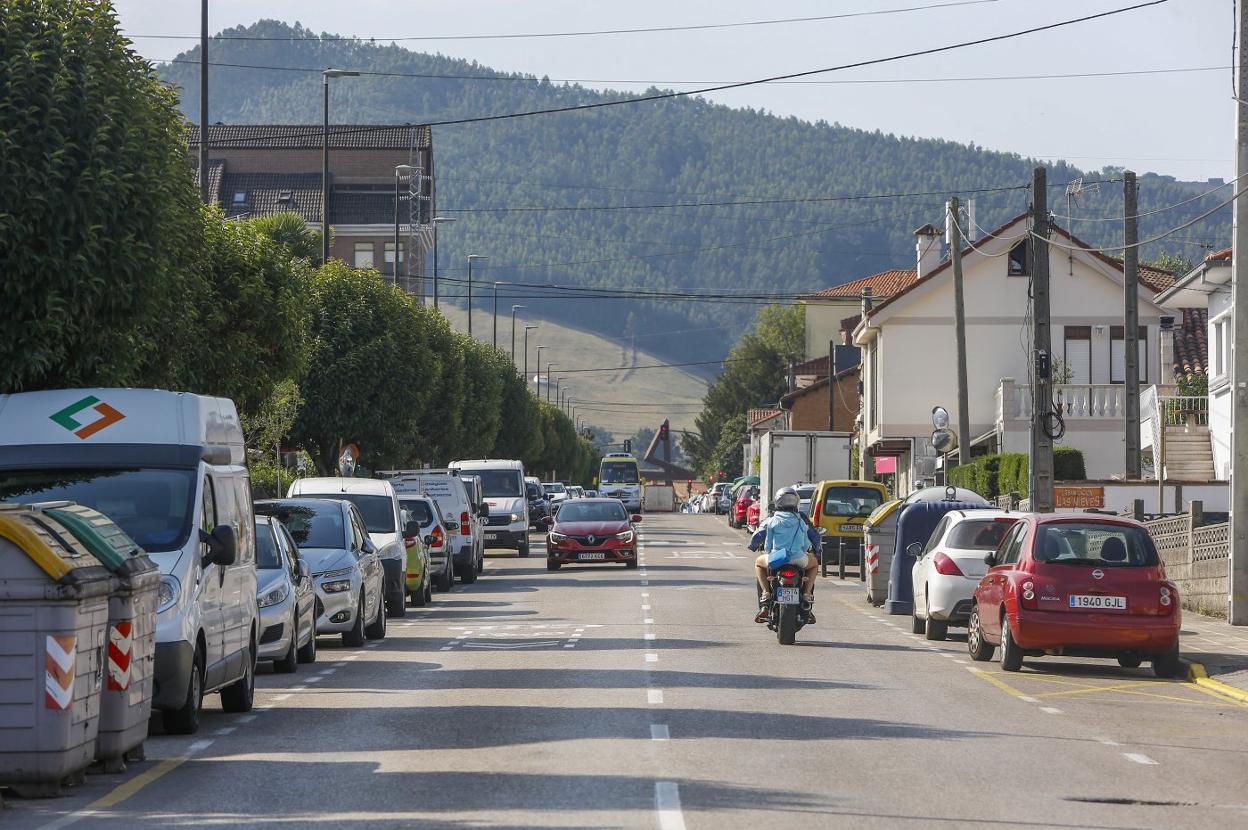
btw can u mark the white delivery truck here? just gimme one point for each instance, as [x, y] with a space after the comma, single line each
[507, 507]
[168, 467]
[789, 458]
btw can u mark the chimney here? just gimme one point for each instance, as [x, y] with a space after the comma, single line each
[927, 249]
[866, 302]
[1165, 346]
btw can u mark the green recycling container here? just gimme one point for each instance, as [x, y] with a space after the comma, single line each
[126, 700]
[53, 619]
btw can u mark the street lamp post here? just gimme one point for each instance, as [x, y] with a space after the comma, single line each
[471, 259]
[437, 220]
[558, 381]
[399, 169]
[548, 366]
[325, 76]
[513, 333]
[537, 379]
[526, 354]
[497, 283]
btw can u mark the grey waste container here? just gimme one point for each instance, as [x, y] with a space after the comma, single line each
[126, 699]
[53, 617]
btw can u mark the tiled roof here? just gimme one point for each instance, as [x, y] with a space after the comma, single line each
[305, 136]
[360, 208]
[758, 416]
[1155, 278]
[215, 170]
[851, 323]
[262, 194]
[817, 366]
[1223, 255]
[1191, 344]
[883, 284]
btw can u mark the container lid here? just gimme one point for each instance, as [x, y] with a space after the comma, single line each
[97, 532]
[49, 545]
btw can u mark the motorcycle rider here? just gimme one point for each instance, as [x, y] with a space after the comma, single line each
[786, 527]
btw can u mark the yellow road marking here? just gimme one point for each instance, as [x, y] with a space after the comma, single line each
[128, 788]
[1200, 687]
[996, 681]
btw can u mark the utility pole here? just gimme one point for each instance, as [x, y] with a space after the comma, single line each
[954, 232]
[1040, 466]
[203, 101]
[1131, 325]
[527, 329]
[1237, 613]
[513, 333]
[548, 365]
[471, 259]
[831, 384]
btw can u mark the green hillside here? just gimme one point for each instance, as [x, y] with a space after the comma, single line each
[657, 153]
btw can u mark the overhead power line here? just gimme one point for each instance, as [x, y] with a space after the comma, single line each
[584, 33]
[663, 96]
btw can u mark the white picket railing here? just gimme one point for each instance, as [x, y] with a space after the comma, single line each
[1099, 401]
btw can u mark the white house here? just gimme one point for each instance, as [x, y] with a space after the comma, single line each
[909, 351]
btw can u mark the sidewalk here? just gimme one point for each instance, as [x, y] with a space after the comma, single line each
[1222, 649]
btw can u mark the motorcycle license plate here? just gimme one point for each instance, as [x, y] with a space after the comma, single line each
[787, 596]
[591, 556]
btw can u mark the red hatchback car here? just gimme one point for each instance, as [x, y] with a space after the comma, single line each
[1076, 585]
[591, 531]
[741, 507]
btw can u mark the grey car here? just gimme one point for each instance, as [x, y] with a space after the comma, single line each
[286, 598]
[346, 570]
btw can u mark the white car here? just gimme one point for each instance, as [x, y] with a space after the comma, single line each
[949, 567]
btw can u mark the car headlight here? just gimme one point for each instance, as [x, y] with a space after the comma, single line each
[337, 586]
[557, 537]
[515, 517]
[168, 593]
[626, 536]
[275, 596]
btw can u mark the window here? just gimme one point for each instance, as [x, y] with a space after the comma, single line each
[390, 252]
[311, 525]
[873, 386]
[1117, 354]
[1219, 348]
[980, 534]
[364, 252]
[240, 197]
[1078, 353]
[1100, 544]
[208, 518]
[851, 501]
[934, 540]
[1013, 545]
[267, 555]
[1017, 264]
[357, 531]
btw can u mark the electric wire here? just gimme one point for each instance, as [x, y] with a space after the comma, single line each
[1142, 242]
[1154, 211]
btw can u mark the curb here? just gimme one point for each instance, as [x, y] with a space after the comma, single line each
[1196, 674]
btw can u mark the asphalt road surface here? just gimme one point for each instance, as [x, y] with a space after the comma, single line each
[603, 697]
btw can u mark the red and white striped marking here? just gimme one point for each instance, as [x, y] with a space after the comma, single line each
[120, 654]
[62, 652]
[873, 558]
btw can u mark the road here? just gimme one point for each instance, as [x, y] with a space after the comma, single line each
[602, 697]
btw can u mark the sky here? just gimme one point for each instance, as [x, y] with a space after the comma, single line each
[1175, 123]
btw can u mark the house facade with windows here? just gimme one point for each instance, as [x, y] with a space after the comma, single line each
[258, 170]
[909, 352]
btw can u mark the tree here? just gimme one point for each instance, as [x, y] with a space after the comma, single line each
[98, 208]
[727, 453]
[290, 231]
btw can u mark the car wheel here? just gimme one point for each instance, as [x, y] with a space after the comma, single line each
[469, 575]
[185, 719]
[238, 696]
[553, 564]
[290, 662]
[446, 579]
[307, 654]
[377, 630]
[396, 603]
[1168, 665]
[428, 592]
[917, 624]
[937, 629]
[631, 564]
[355, 637]
[1130, 662]
[981, 650]
[418, 596]
[1011, 654]
[523, 549]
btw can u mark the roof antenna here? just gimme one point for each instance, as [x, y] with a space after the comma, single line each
[1074, 190]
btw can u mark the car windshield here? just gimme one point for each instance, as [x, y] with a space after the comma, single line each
[619, 472]
[153, 506]
[378, 511]
[979, 534]
[310, 525]
[1096, 544]
[267, 557]
[553, 487]
[417, 511]
[601, 511]
[806, 493]
[851, 501]
[532, 491]
[496, 484]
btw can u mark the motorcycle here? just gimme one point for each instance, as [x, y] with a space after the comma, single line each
[787, 616]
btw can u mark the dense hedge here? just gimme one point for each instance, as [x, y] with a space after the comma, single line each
[995, 475]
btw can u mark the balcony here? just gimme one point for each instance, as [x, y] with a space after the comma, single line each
[1076, 401]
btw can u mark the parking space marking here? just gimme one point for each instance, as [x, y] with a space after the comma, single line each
[999, 683]
[1029, 699]
[652, 658]
[250, 718]
[649, 635]
[340, 664]
[660, 732]
[225, 730]
[667, 805]
[654, 696]
[648, 621]
[314, 679]
[1051, 710]
[1139, 758]
[645, 608]
[1108, 742]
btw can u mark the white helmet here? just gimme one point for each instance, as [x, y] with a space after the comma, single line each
[787, 499]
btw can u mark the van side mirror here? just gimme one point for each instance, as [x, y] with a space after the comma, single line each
[222, 546]
[635, 518]
[368, 546]
[914, 549]
[484, 511]
[548, 521]
[429, 539]
[990, 559]
[305, 572]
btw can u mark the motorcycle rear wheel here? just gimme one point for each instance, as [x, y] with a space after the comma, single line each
[786, 630]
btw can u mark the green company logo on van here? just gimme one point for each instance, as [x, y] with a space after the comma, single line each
[108, 417]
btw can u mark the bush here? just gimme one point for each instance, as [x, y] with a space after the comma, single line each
[1068, 464]
[997, 475]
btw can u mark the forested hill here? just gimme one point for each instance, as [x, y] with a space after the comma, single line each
[663, 153]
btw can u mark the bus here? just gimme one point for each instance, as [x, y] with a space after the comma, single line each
[619, 477]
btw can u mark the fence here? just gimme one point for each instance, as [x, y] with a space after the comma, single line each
[1197, 559]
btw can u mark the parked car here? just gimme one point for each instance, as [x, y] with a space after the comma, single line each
[539, 507]
[424, 529]
[555, 492]
[805, 494]
[169, 469]
[592, 530]
[460, 500]
[1077, 585]
[379, 506]
[505, 508]
[286, 598]
[753, 516]
[947, 569]
[723, 502]
[746, 496]
[575, 492]
[591, 494]
[346, 570]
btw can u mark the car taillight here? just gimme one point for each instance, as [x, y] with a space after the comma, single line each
[945, 565]
[1028, 594]
[464, 529]
[1169, 599]
[437, 538]
[818, 512]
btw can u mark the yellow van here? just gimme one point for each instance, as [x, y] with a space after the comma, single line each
[841, 508]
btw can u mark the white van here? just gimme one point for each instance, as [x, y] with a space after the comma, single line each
[167, 467]
[454, 498]
[379, 506]
[502, 483]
